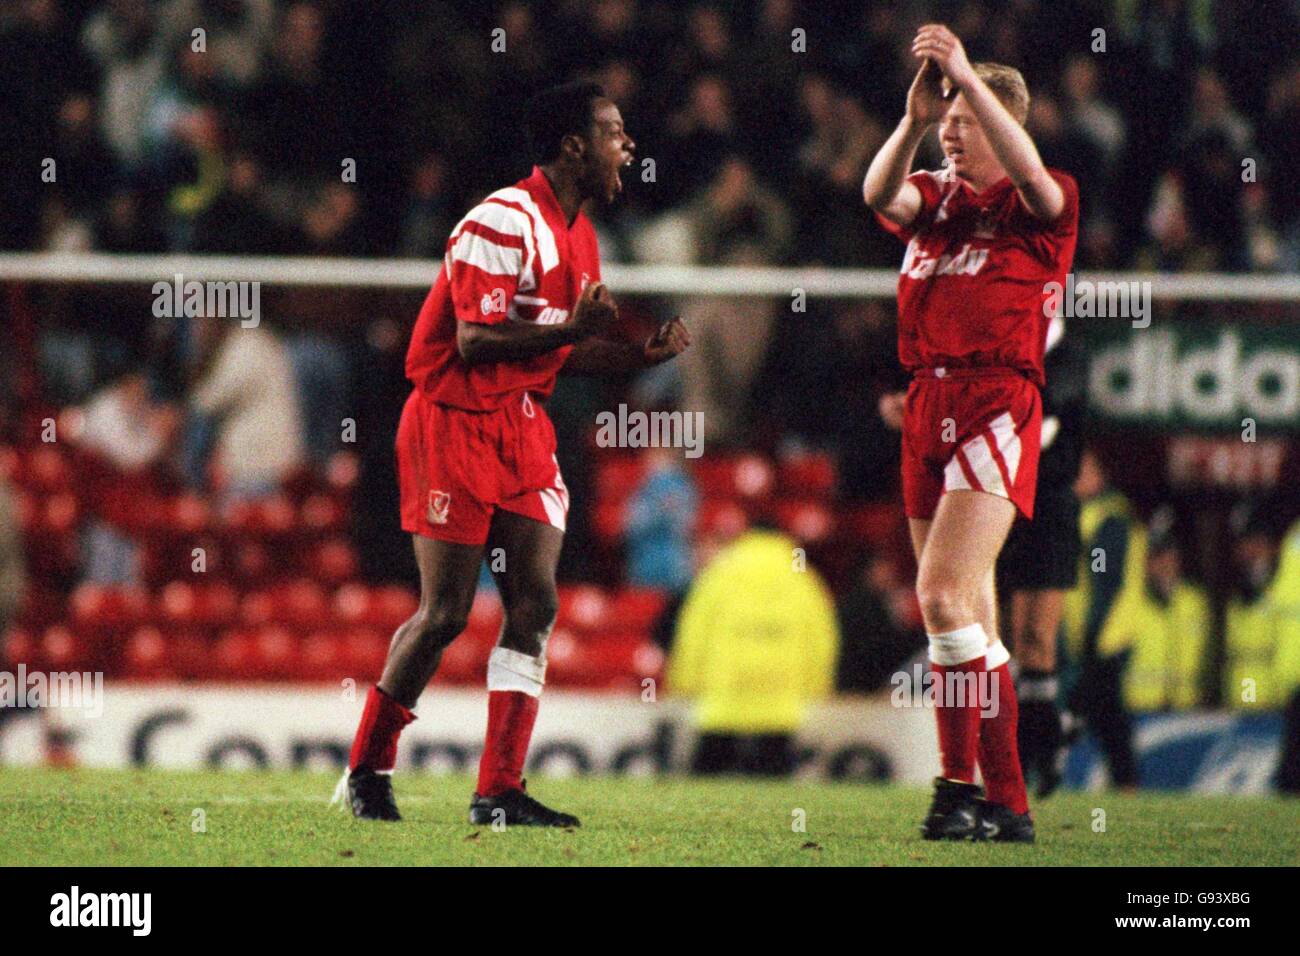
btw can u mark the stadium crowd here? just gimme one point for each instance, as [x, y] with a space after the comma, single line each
[1176, 116]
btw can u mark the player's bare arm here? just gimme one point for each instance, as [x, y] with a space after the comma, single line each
[511, 341]
[1011, 144]
[885, 188]
[597, 356]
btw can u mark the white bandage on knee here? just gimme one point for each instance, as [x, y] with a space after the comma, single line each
[510, 670]
[996, 655]
[959, 646]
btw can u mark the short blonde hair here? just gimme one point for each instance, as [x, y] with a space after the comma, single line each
[1008, 85]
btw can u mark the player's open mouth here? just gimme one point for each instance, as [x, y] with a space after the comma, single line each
[618, 175]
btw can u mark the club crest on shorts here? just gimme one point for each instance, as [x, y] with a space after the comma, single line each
[439, 505]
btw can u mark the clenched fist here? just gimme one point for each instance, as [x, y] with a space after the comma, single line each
[596, 310]
[669, 340]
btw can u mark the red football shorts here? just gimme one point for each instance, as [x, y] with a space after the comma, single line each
[456, 467]
[970, 428]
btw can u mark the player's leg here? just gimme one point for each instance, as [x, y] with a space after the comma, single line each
[448, 579]
[448, 575]
[955, 586]
[956, 555]
[1035, 620]
[517, 668]
[999, 750]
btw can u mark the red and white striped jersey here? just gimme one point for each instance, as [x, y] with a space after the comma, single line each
[513, 257]
[974, 279]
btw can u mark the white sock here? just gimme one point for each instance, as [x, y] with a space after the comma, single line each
[996, 655]
[511, 670]
[958, 647]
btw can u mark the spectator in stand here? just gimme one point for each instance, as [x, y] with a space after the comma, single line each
[660, 517]
[128, 434]
[299, 111]
[1280, 142]
[736, 222]
[701, 132]
[756, 643]
[245, 388]
[238, 34]
[430, 212]
[832, 159]
[239, 219]
[83, 162]
[128, 46]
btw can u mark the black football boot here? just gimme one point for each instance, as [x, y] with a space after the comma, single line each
[954, 812]
[516, 808]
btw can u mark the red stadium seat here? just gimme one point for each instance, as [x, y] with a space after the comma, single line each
[63, 649]
[611, 661]
[810, 475]
[45, 468]
[321, 513]
[808, 521]
[342, 472]
[745, 476]
[637, 609]
[234, 656]
[213, 604]
[147, 655]
[364, 652]
[104, 606]
[332, 562]
[324, 657]
[301, 603]
[609, 518]
[617, 476]
[20, 647]
[276, 653]
[721, 517]
[582, 607]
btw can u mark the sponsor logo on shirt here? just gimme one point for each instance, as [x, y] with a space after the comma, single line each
[966, 262]
[552, 316]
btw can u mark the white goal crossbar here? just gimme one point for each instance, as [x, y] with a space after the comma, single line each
[626, 279]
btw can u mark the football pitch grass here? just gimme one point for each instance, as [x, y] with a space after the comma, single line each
[205, 818]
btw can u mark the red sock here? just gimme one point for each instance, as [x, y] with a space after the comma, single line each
[375, 745]
[959, 731]
[999, 754]
[511, 714]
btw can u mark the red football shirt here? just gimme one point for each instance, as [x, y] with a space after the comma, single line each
[974, 277]
[514, 257]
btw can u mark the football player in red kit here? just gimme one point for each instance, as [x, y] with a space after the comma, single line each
[518, 300]
[985, 236]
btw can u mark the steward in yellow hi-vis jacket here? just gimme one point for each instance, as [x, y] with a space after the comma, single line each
[1169, 621]
[1112, 571]
[1262, 626]
[1286, 663]
[756, 641]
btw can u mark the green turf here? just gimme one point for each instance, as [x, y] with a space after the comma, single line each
[98, 817]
